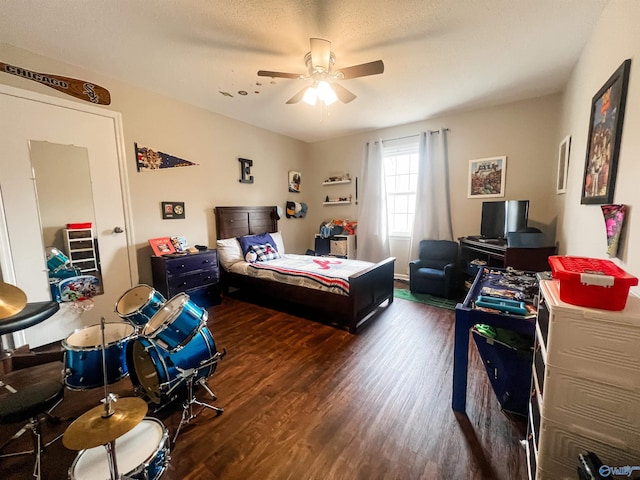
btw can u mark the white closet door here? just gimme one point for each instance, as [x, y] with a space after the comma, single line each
[35, 118]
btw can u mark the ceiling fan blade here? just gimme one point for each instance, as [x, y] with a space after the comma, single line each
[267, 73]
[344, 95]
[363, 70]
[320, 53]
[297, 97]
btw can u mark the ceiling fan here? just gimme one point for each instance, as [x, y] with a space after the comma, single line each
[319, 62]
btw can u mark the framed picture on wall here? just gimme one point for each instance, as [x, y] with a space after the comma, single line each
[563, 165]
[487, 177]
[605, 132]
[295, 179]
[171, 210]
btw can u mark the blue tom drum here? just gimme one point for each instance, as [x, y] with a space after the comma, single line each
[176, 323]
[83, 355]
[139, 304]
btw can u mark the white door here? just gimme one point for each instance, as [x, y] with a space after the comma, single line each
[27, 116]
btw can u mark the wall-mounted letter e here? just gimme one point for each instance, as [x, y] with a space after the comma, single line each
[245, 170]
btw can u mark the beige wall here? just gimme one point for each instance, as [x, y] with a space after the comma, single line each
[212, 141]
[524, 131]
[615, 38]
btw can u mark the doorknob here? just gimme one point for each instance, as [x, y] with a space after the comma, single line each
[118, 230]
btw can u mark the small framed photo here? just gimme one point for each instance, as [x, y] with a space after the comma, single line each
[295, 178]
[487, 177]
[563, 165]
[161, 246]
[172, 210]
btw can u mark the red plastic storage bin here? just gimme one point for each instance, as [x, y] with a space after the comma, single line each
[75, 226]
[592, 282]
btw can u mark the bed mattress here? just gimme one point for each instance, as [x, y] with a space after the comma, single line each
[323, 273]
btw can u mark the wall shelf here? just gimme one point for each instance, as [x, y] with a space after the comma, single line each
[340, 202]
[337, 182]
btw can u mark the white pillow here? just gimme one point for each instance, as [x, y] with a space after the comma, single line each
[277, 237]
[229, 252]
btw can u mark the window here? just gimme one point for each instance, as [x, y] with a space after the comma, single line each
[401, 177]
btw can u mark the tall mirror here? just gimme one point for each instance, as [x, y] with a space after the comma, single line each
[65, 203]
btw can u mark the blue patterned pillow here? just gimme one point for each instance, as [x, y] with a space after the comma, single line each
[265, 252]
[248, 241]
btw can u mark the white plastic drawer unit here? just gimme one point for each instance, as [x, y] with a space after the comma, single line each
[586, 382]
[599, 344]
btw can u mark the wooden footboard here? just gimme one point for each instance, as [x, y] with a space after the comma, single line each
[367, 290]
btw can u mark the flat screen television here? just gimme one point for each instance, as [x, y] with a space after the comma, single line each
[499, 218]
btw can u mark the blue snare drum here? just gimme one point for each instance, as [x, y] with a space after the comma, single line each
[176, 323]
[142, 452]
[83, 355]
[157, 371]
[139, 304]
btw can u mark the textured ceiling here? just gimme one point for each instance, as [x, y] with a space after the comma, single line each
[439, 55]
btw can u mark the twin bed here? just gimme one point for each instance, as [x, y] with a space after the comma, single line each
[348, 298]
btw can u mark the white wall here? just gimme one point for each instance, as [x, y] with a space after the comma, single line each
[615, 38]
[525, 132]
[212, 141]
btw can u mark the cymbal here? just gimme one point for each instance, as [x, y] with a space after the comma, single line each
[91, 429]
[12, 300]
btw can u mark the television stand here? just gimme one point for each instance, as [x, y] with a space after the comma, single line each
[496, 254]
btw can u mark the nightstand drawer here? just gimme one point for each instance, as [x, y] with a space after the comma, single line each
[189, 263]
[180, 283]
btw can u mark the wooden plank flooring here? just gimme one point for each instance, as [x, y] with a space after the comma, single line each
[305, 400]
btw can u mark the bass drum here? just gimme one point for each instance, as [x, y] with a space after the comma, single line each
[157, 372]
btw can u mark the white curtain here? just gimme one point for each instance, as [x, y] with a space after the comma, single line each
[433, 209]
[373, 231]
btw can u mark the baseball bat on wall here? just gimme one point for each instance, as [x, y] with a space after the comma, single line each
[71, 86]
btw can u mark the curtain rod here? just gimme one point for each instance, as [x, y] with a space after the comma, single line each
[414, 135]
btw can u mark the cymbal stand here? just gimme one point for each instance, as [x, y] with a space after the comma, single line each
[187, 406]
[108, 410]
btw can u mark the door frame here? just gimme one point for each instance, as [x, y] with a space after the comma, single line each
[6, 261]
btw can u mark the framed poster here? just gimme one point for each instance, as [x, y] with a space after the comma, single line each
[563, 165]
[487, 177]
[161, 246]
[605, 133]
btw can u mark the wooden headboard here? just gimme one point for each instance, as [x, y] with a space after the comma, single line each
[239, 221]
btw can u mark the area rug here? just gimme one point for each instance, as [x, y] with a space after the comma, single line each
[424, 298]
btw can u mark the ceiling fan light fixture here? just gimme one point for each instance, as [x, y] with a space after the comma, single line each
[310, 96]
[326, 93]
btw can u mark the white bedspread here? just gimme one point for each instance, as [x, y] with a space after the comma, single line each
[323, 273]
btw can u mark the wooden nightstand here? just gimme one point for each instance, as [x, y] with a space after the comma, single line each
[196, 274]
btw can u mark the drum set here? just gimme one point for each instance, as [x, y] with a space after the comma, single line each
[165, 347]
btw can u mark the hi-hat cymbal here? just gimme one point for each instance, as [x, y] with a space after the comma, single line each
[91, 429]
[12, 300]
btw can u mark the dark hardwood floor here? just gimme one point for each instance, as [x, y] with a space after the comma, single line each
[304, 400]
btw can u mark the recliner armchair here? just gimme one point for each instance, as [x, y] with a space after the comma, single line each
[435, 271]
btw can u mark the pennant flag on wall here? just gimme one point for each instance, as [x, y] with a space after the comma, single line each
[148, 160]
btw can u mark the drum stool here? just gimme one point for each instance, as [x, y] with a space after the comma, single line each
[28, 404]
